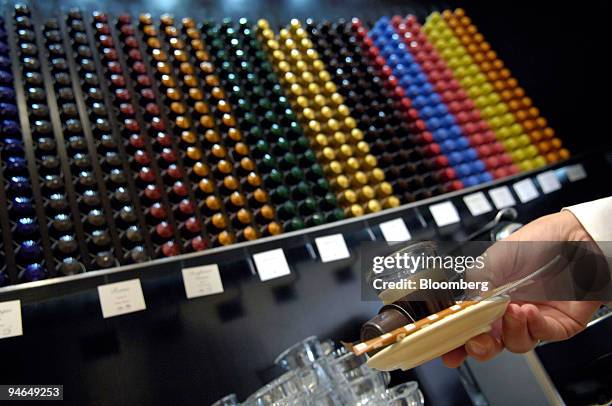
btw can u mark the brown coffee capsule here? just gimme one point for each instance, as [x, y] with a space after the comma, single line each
[244, 216]
[234, 134]
[389, 318]
[201, 107]
[254, 179]
[218, 151]
[188, 137]
[212, 136]
[226, 238]
[260, 195]
[206, 186]
[201, 169]
[219, 221]
[213, 203]
[230, 183]
[241, 148]
[194, 153]
[237, 199]
[273, 228]
[247, 164]
[250, 233]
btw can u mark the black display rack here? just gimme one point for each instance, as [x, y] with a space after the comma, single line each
[356, 231]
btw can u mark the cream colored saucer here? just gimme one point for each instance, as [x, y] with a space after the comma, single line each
[440, 337]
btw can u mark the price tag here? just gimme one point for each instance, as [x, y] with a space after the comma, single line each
[395, 231]
[202, 280]
[525, 190]
[444, 213]
[575, 172]
[477, 203]
[502, 197]
[271, 264]
[332, 248]
[121, 298]
[10, 319]
[548, 181]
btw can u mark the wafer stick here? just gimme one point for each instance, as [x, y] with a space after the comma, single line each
[400, 333]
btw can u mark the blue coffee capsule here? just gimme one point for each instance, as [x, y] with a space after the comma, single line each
[484, 177]
[33, 272]
[26, 226]
[22, 205]
[19, 184]
[13, 146]
[464, 170]
[9, 127]
[455, 158]
[5, 77]
[29, 250]
[7, 94]
[477, 166]
[8, 110]
[470, 181]
[5, 62]
[16, 164]
[3, 278]
[4, 49]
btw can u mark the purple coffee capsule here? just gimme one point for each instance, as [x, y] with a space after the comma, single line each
[16, 164]
[29, 250]
[33, 272]
[8, 110]
[6, 77]
[19, 184]
[5, 62]
[13, 146]
[9, 127]
[22, 205]
[7, 94]
[26, 226]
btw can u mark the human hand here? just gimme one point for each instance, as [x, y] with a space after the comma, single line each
[524, 324]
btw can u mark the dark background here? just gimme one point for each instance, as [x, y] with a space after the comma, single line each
[193, 352]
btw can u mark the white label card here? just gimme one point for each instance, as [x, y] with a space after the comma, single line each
[444, 213]
[271, 264]
[10, 319]
[395, 230]
[548, 181]
[575, 172]
[202, 281]
[477, 203]
[502, 197]
[525, 190]
[121, 298]
[332, 247]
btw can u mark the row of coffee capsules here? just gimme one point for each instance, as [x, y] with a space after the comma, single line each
[52, 179]
[297, 183]
[352, 170]
[111, 114]
[23, 225]
[150, 145]
[394, 138]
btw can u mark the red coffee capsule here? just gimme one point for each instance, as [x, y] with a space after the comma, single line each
[158, 211]
[198, 243]
[152, 192]
[171, 249]
[164, 229]
[193, 225]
